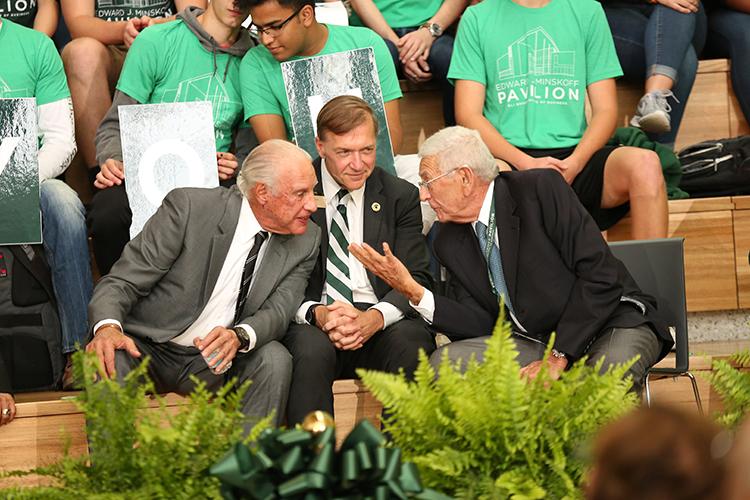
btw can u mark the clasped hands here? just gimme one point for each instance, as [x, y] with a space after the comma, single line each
[347, 327]
[413, 51]
[111, 172]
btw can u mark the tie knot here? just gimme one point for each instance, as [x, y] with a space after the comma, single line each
[261, 237]
[341, 194]
[480, 228]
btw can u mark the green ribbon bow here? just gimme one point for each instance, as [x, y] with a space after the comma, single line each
[297, 464]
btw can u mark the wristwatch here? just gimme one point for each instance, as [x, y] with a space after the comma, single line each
[558, 354]
[310, 315]
[244, 337]
[434, 28]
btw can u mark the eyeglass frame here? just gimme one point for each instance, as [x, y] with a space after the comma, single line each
[278, 26]
[426, 184]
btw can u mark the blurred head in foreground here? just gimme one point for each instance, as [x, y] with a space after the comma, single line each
[659, 453]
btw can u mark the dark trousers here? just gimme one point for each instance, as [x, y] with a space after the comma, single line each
[269, 368]
[109, 219]
[317, 363]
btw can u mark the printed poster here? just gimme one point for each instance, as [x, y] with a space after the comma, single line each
[20, 218]
[165, 146]
[313, 81]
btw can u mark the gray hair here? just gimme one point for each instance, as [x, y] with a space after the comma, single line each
[455, 147]
[265, 162]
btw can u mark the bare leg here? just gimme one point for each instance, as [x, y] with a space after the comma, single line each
[635, 174]
[91, 76]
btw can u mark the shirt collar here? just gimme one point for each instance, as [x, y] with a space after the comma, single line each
[247, 222]
[484, 213]
[331, 187]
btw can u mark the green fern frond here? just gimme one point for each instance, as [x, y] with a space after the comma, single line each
[487, 433]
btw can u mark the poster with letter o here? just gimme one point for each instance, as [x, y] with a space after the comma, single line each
[165, 146]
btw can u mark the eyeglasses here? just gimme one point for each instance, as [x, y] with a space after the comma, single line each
[426, 184]
[275, 30]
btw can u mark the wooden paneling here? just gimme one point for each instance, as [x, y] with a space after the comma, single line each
[44, 422]
[707, 112]
[742, 256]
[701, 205]
[351, 404]
[421, 116]
[710, 274]
[737, 120]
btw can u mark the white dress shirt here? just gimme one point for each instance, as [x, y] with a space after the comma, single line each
[362, 290]
[426, 306]
[220, 308]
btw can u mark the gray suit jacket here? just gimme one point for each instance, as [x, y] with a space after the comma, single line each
[166, 274]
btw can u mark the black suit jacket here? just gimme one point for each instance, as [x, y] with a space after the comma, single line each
[398, 222]
[559, 271]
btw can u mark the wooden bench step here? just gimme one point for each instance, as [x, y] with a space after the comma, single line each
[46, 420]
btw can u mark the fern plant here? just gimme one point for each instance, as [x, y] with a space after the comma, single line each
[487, 433]
[136, 453]
[733, 386]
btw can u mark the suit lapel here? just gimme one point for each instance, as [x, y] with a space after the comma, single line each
[221, 242]
[508, 234]
[465, 253]
[268, 271]
[374, 203]
[319, 218]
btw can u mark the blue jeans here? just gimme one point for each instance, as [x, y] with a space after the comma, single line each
[66, 246]
[656, 40]
[439, 61]
[729, 36]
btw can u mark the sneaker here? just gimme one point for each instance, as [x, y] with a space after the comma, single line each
[652, 113]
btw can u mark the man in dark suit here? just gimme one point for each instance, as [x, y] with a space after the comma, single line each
[524, 238]
[350, 318]
[209, 286]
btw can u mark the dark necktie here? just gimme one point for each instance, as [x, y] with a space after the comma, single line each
[247, 274]
[494, 264]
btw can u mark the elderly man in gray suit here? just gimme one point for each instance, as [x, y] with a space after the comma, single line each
[211, 283]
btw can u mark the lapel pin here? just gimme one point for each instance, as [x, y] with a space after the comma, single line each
[375, 207]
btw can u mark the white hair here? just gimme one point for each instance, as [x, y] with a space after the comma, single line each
[454, 147]
[265, 162]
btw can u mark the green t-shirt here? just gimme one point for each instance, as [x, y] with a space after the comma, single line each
[167, 63]
[122, 10]
[535, 65]
[21, 12]
[263, 91]
[33, 67]
[402, 13]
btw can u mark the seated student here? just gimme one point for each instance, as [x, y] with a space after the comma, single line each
[288, 30]
[416, 36]
[655, 39]
[41, 15]
[208, 44]
[102, 33]
[729, 36]
[522, 238]
[522, 70]
[31, 67]
[211, 283]
[351, 319]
